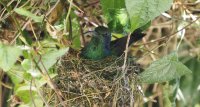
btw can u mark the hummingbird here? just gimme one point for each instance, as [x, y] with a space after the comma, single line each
[101, 46]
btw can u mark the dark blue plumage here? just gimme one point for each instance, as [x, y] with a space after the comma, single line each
[101, 45]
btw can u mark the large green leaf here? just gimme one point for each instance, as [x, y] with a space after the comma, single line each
[116, 15]
[142, 11]
[118, 20]
[164, 69]
[112, 4]
[8, 56]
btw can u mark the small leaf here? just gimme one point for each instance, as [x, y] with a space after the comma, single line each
[142, 11]
[164, 69]
[23, 92]
[8, 56]
[76, 43]
[27, 13]
[16, 74]
[26, 64]
[47, 60]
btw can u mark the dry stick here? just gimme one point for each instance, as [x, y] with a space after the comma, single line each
[17, 34]
[151, 54]
[79, 14]
[125, 60]
[126, 52]
[4, 10]
[7, 14]
[171, 35]
[14, 19]
[51, 84]
[34, 34]
[31, 94]
[166, 37]
[54, 6]
[40, 94]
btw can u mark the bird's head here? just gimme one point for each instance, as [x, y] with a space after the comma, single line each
[103, 31]
[100, 32]
[99, 45]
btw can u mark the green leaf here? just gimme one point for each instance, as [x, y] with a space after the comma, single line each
[142, 11]
[112, 4]
[30, 68]
[43, 81]
[118, 20]
[24, 92]
[50, 58]
[24, 12]
[198, 40]
[38, 101]
[26, 64]
[8, 56]
[164, 69]
[190, 84]
[76, 43]
[16, 74]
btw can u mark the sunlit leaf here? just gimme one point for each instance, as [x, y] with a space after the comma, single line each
[8, 56]
[142, 11]
[76, 43]
[116, 15]
[23, 92]
[118, 20]
[112, 4]
[16, 74]
[164, 69]
[51, 57]
[24, 12]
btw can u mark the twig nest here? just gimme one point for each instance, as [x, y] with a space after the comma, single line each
[101, 83]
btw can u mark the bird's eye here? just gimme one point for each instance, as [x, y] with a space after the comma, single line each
[106, 33]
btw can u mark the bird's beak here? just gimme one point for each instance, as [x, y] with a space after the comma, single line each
[90, 33]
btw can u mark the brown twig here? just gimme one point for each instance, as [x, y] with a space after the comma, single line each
[31, 94]
[49, 81]
[168, 36]
[126, 53]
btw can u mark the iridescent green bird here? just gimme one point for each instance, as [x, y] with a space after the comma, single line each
[101, 45]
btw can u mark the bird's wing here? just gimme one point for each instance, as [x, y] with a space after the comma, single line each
[119, 45]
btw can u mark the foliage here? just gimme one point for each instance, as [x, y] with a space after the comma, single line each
[164, 69]
[8, 56]
[129, 15]
[24, 12]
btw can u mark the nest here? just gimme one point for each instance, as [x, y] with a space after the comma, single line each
[102, 83]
